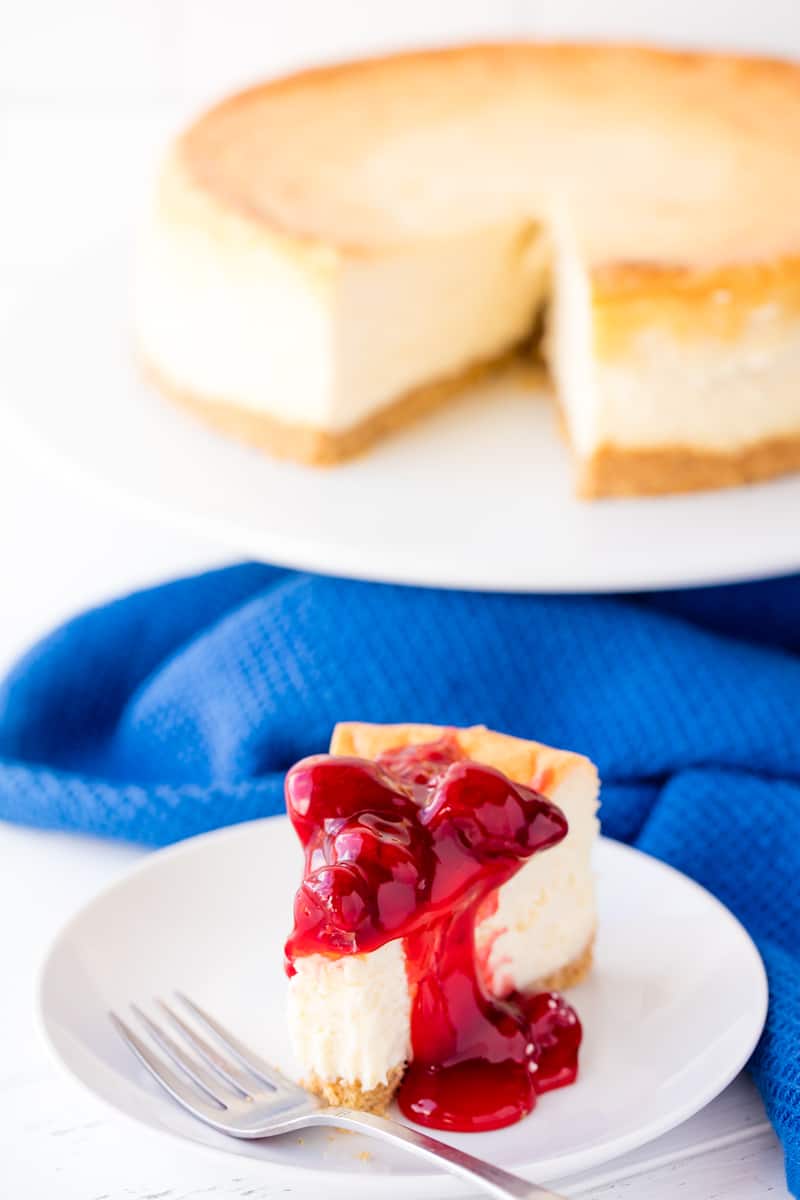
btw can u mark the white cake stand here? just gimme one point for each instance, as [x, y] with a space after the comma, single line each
[478, 496]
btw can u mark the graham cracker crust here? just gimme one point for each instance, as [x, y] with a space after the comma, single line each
[572, 974]
[342, 1093]
[622, 471]
[318, 447]
[612, 471]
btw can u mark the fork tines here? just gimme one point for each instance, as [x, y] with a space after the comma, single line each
[217, 1074]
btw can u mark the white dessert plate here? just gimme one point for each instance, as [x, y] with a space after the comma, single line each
[477, 496]
[671, 1012]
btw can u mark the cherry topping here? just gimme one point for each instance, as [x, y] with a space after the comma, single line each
[413, 846]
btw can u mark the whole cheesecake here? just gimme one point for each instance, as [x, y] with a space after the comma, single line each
[333, 253]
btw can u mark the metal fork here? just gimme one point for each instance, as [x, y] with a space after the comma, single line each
[225, 1084]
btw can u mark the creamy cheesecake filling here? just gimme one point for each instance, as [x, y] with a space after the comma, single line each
[429, 311]
[705, 394]
[325, 346]
[350, 1017]
[229, 317]
[663, 389]
[356, 332]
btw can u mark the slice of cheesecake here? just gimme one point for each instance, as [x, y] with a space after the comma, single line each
[333, 253]
[353, 995]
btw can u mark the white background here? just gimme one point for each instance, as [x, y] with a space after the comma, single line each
[89, 92]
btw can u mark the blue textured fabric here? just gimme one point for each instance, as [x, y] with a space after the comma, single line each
[178, 709]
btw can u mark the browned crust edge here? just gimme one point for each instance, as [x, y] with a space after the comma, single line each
[572, 973]
[318, 447]
[521, 759]
[631, 471]
[612, 471]
[343, 1093]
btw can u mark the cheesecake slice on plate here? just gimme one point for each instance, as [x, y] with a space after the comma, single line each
[333, 253]
[448, 890]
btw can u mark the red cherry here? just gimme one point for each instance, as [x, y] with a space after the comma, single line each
[334, 906]
[493, 817]
[323, 787]
[556, 1033]
[383, 848]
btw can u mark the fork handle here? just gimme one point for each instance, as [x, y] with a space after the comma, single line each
[496, 1182]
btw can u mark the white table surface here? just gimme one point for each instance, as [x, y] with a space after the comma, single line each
[88, 91]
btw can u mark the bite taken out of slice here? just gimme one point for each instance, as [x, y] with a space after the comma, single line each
[447, 888]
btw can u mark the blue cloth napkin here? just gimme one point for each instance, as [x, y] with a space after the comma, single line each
[178, 709]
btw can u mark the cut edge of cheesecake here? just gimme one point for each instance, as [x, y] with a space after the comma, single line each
[344, 982]
[615, 343]
[351, 1093]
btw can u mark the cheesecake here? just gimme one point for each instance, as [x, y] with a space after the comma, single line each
[447, 892]
[331, 254]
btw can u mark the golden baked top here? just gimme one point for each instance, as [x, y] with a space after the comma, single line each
[531, 763]
[718, 303]
[661, 157]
